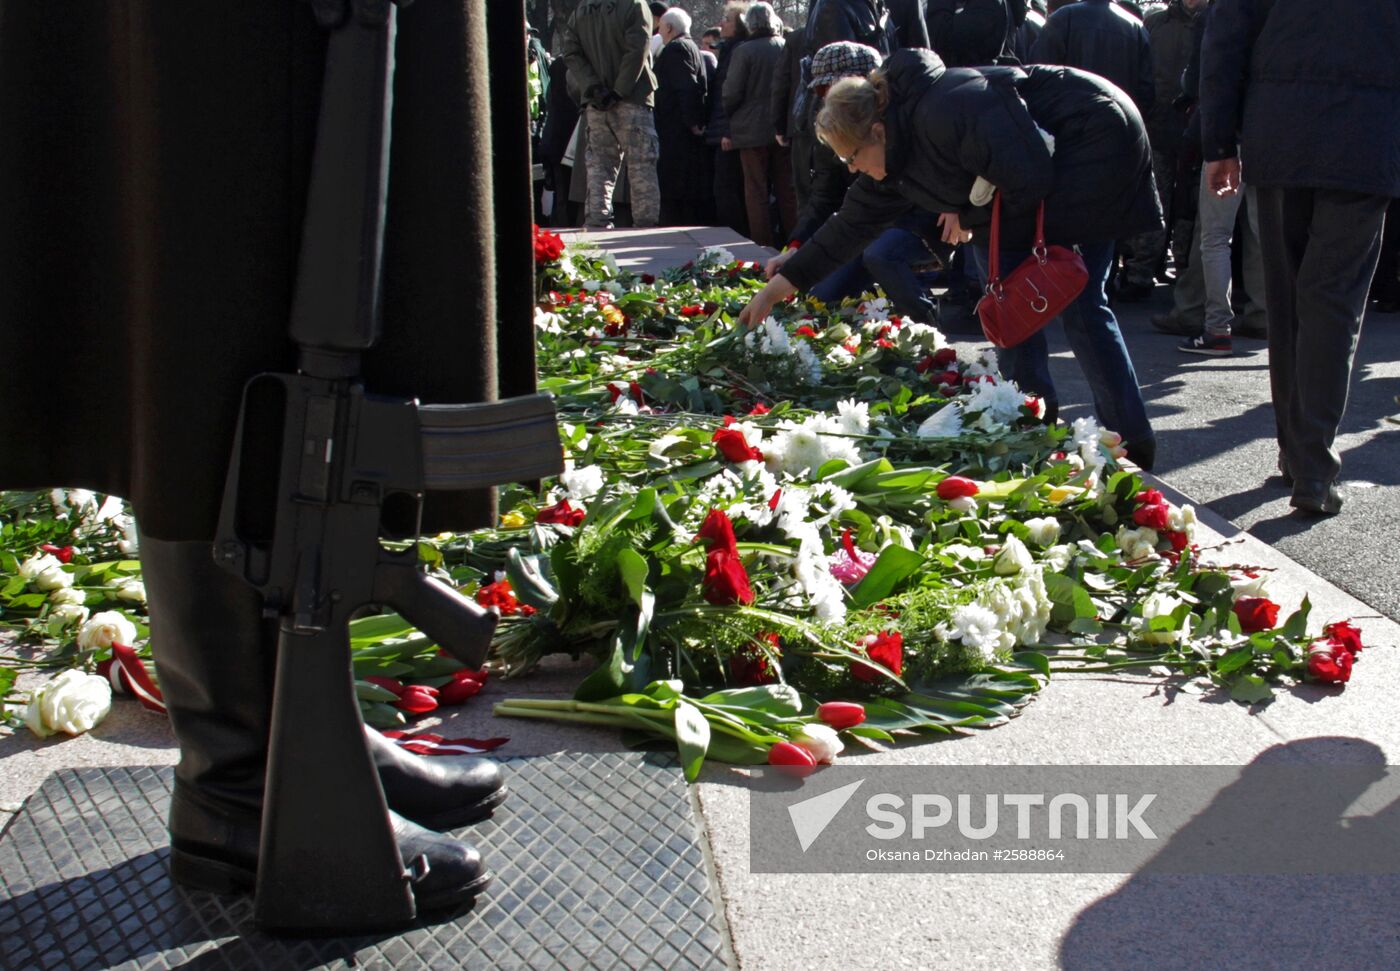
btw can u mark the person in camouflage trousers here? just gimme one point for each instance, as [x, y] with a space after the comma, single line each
[607, 48]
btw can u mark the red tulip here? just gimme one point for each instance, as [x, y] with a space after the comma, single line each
[885, 648]
[64, 554]
[418, 699]
[759, 408]
[498, 595]
[388, 684]
[841, 714]
[956, 487]
[561, 512]
[790, 754]
[1154, 516]
[464, 684]
[718, 532]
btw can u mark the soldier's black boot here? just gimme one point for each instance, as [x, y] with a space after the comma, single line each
[215, 657]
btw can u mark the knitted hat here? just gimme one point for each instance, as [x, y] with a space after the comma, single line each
[843, 59]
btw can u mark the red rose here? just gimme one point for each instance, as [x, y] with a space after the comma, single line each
[945, 357]
[464, 684]
[1150, 497]
[731, 443]
[561, 512]
[956, 487]
[885, 648]
[1256, 614]
[792, 756]
[752, 665]
[841, 714]
[64, 554]
[759, 408]
[418, 699]
[498, 595]
[1344, 635]
[1156, 516]
[388, 684]
[648, 279]
[1329, 664]
[548, 246]
[726, 581]
[947, 379]
[718, 532]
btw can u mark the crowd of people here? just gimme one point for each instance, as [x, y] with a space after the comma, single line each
[1243, 151]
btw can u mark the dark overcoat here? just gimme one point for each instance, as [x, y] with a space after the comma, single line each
[947, 126]
[153, 174]
[681, 86]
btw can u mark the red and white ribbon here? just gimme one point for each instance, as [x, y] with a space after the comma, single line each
[128, 675]
[426, 743]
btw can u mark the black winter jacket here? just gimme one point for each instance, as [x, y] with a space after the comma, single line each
[1101, 37]
[862, 21]
[971, 33]
[910, 26]
[946, 126]
[680, 106]
[1169, 31]
[1315, 92]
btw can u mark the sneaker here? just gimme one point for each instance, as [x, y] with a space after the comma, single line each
[1207, 345]
[1170, 323]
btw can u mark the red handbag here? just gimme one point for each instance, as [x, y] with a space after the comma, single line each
[1035, 292]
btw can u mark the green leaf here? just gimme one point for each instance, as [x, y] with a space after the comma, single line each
[608, 680]
[1296, 626]
[1071, 601]
[373, 692]
[1251, 689]
[777, 699]
[692, 739]
[894, 565]
[1033, 659]
[528, 581]
[856, 474]
[870, 731]
[379, 715]
[634, 568]
[1234, 660]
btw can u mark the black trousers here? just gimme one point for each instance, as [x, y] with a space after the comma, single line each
[1320, 250]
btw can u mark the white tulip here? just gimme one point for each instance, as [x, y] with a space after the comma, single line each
[821, 741]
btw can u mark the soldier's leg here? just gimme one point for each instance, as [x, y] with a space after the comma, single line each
[603, 157]
[639, 144]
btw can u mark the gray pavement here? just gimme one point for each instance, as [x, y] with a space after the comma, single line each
[1216, 447]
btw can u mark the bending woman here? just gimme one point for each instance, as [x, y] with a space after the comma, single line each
[921, 134]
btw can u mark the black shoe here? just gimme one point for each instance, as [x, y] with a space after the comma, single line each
[1134, 292]
[1143, 454]
[1207, 346]
[1317, 497]
[1170, 323]
[214, 847]
[442, 792]
[1283, 472]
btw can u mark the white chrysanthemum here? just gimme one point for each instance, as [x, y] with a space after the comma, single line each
[810, 365]
[1002, 400]
[836, 500]
[1085, 431]
[582, 484]
[610, 262]
[715, 256]
[854, 416]
[977, 628]
[1044, 530]
[839, 357]
[946, 422]
[986, 363]
[592, 286]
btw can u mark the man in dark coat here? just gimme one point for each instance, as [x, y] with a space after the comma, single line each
[153, 202]
[972, 33]
[1169, 34]
[1306, 105]
[860, 21]
[680, 124]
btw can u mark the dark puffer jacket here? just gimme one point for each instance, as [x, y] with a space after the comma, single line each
[946, 126]
[971, 33]
[863, 21]
[1316, 92]
[1104, 38]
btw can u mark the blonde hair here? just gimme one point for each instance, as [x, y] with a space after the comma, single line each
[852, 107]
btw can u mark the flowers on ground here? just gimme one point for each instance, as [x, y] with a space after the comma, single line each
[71, 702]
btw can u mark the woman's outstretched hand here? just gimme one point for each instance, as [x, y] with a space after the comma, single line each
[775, 263]
[776, 289]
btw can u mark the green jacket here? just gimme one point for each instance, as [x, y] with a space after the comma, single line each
[607, 45]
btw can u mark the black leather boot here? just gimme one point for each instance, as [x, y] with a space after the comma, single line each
[442, 792]
[214, 655]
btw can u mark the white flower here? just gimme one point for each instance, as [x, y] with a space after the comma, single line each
[1057, 558]
[961, 551]
[593, 286]
[1183, 519]
[839, 357]
[68, 614]
[45, 573]
[111, 509]
[67, 595]
[999, 401]
[582, 484]
[106, 629]
[1013, 558]
[946, 422]
[1044, 531]
[986, 363]
[976, 627]
[1160, 605]
[1245, 586]
[130, 589]
[1137, 544]
[717, 255]
[658, 448]
[73, 702]
[820, 740]
[615, 288]
[963, 504]
[82, 500]
[37, 564]
[810, 364]
[854, 417]
[548, 323]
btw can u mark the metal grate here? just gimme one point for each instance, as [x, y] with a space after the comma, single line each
[597, 861]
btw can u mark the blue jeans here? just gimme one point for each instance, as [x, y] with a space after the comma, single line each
[1093, 336]
[889, 261]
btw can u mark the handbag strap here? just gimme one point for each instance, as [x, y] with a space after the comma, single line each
[994, 245]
